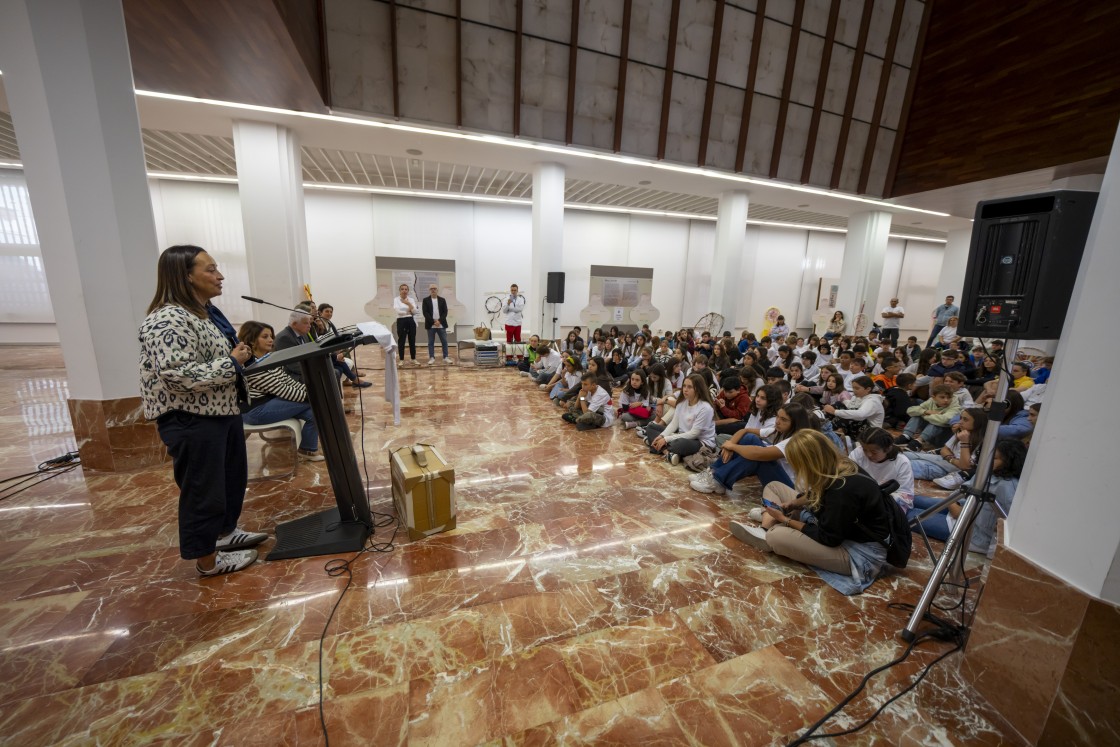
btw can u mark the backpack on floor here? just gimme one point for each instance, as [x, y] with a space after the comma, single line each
[701, 460]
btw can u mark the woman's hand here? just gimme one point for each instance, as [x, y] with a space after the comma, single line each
[659, 443]
[241, 353]
[964, 437]
[829, 409]
[726, 454]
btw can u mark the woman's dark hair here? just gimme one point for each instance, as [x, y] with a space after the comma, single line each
[574, 362]
[979, 424]
[707, 375]
[773, 402]
[810, 405]
[828, 380]
[800, 368]
[250, 331]
[810, 355]
[642, 390]
[840, 313]
[657, 369]
[325, 306]
[1014, 455]
[878, 437]
[1015, 404]
[926, 359]
[799, 417]
[173, 287]
[616, 352]
[600, 365]
[864, 381]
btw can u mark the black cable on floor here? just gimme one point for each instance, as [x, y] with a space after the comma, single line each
[51, 468]
[345, 566]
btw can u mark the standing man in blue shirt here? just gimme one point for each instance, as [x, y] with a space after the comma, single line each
[941, 316]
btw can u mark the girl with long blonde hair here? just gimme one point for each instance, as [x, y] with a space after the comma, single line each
[833, 520]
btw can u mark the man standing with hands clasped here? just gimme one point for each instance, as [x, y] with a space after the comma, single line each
[513, 306]
[435, 322]
[941, 316]
[892, 320]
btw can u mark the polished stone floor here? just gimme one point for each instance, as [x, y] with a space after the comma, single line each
[588, 596]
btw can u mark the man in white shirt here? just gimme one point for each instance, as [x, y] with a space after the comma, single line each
[513, 306]
[892, 321]
[593, 409]
[406, 309]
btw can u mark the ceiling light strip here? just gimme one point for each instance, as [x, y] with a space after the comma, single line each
[541, 147]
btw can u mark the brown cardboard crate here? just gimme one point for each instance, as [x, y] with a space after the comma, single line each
[424, 497]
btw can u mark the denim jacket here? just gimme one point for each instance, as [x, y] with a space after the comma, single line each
[868, 560]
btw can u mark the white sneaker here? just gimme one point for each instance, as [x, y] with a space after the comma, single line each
[543, 386]
[640, 432]
[674, 459]
[523, 373]
[748, 535]
[705, 482]
[951, 480]
[310, 456]
[448, 362]
[756, 514]
[432, 361]
[239, 539]
[228, 562]
[629, 424]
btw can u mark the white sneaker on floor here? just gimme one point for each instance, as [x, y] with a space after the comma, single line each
[640, 432]
[431, 361]
[239, 539]
[756, 514]
[748, 535]
[674, 459]
[229, 562]
[705, 482]
[951, 481]
[448, 362]
[523, 373]
[310, 456]
[629, 424]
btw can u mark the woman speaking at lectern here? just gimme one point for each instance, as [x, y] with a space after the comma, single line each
[191, 381]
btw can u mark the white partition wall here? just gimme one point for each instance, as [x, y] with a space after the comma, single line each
[491, 246]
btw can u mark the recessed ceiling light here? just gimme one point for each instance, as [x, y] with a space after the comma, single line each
[644, 182]
[414, 152]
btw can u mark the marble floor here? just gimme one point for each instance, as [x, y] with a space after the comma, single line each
[588, 596]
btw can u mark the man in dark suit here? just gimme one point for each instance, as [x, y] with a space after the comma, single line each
[434, 308]
[299, 325]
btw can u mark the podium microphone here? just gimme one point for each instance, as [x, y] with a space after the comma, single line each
[278, 306]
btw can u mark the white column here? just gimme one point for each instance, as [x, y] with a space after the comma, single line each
[729, 293]
[548, 244]
[1066, 518]
[270, 185]
[69, 84]
[862, 272]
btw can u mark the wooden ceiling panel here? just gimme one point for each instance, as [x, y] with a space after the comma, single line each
[1004, 89]
[234, 50]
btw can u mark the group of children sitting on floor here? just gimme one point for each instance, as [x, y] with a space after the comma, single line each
[762, 407]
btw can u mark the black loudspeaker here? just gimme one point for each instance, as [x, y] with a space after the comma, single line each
[555, 291]
[1022, 264]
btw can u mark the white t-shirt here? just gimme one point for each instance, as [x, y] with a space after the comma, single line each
[781, 446]
[401, 308]
[948, 335]
[892, 322]
[551, 361]
[600, 402]
[765, 427]
[897, 469]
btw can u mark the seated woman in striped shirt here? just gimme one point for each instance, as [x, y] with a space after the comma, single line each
[276, 396]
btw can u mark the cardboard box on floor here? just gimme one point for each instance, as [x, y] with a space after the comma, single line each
[423, 490]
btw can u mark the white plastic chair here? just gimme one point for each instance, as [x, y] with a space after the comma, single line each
[292, 424]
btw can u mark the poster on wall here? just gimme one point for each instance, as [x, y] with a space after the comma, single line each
[827, 291]
[418, 275]
[619, 296]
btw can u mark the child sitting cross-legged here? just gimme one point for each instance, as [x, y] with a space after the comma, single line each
[633, 403]
[898, 399]
[593, 409]
[929, 421]
[953, 463]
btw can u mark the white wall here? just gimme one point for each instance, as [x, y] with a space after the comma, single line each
[1066, 517]
[491, 245]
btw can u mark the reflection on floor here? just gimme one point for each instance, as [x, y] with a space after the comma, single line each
[587, 597]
